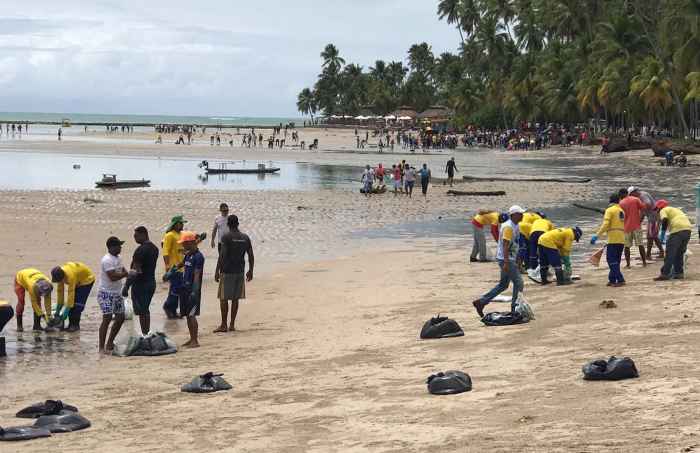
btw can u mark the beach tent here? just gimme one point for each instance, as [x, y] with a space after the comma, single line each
[405, 118]
[390, 117]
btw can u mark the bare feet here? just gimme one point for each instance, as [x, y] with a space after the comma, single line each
[184, 345]
[221, 329]
[231, 329]
[191, 344]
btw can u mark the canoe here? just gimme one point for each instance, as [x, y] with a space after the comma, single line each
[125, 184]
[572, 179]
[241, 171]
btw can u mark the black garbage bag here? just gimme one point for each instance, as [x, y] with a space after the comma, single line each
[207, 383]
[449, 383]
[62, 423]
[22, 433]
[441, 327]
[613, 370]
[153, 344]
[48, 407]
[505, 318]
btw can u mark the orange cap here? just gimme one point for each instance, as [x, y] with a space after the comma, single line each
[187, 236]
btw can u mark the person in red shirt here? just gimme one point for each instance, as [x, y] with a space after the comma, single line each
[633, 208]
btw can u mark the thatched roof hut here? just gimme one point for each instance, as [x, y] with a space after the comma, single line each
[436, 113]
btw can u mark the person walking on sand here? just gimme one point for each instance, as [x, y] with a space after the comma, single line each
[173, 256]
[424, 179]
[367, 180]
[507, 254]
[450, 169]
[60, 133]
[79, 279]
[109, 294]
[37, 285]
[191, 302]
[230, 272]
[220, 226]
[396, 172]
[633, 208]
[142, 280]
[678, 225]
[410, 177]
[614, 226]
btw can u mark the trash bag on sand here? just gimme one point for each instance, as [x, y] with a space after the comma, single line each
[441, 327]
[62, 423]
[449, 383]
[152, 344]
[48, 407]
[503, 318]
[22, 433]
[207, 383]
[613, 370]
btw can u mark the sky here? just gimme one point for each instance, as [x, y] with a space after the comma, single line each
[217, 57]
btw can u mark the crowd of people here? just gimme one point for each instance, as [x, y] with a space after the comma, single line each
[529, 243]
[14, 128]
[183, 271]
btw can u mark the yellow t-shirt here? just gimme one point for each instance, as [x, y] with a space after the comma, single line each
[77, 274]
[525, 229]
[541, 225]
[677, 220]
[561, 239]
[487, 219]
[174, 251]
[507, 233]
[27, 278]
[530, 217]
[614, 225]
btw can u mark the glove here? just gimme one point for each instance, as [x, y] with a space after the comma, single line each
[594, 239]
[662, 236]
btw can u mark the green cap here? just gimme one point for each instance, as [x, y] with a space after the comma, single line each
[175, 220]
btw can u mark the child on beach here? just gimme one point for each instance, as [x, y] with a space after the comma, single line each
[192, 290]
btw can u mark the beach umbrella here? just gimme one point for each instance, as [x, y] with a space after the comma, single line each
[390, 117]
[360, 117]
[405, 118]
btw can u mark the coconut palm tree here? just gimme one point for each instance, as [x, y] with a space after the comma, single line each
[451, 10]
[653, 87]
[306, 102]
[331, 58]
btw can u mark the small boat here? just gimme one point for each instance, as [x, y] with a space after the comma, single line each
[111, 182]
[223, 169]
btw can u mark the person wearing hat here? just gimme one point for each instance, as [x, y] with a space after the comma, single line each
[79, 279]
[614, 226]
[633, 208]
[38, 286]
[678, 225]
[507, 253]
[555, 250]
[191, 292]
[173, 257]
[109, 293]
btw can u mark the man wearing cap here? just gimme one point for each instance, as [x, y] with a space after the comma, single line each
[649, 212]
[79, 280]
[191, 293]
[507, 254]
[555, 250]
[633, 208]
[173, 257]
[109, 293]
[614, 226]
[143, 279]
[38, 286]
[230, 272]
[677, 224]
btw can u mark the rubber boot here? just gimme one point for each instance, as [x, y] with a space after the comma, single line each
[561, 281]
[73, 322]
[544, 275]
[37, 323]
[3, 352]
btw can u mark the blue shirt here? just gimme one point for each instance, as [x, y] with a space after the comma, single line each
[193, 262]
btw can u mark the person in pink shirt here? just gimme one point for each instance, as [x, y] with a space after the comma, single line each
[633, 208]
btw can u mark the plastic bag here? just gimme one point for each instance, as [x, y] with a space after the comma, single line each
[524, 309]
[128, 309]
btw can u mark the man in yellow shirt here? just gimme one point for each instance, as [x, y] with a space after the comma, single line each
[173, 256]
[614, 226]
[484, 218]
[555, 250]
[79, 280]
[539, 227]
[677, 224]
[37, 285]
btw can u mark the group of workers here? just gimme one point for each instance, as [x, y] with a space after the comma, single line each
[528, 242]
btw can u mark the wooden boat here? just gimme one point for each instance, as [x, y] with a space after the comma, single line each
[224, 170]
[111, 182]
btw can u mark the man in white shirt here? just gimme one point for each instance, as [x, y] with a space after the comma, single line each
[109, 294]
[220, 226]
[367, 179]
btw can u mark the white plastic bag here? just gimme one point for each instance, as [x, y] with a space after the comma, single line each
[128, 309]
[524, 309]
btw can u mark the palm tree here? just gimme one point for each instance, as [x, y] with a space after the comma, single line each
[331, 58]
[306, 102]
[451, 10]
[652, 87]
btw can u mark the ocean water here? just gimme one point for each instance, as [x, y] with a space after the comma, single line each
[224, 120]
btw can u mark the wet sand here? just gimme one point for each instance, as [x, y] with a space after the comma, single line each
[327, 356]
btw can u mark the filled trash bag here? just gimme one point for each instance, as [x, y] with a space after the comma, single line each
[62, 423]
[449, 383]
[207, 383]
[152, 344]
[48, 407]
[440, 327]
[22, 433]
[613, 370]
[503, 318]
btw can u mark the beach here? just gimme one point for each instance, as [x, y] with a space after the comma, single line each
[327, 355]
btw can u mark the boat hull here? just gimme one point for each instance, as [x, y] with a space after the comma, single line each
[122, 184]
[240, 171]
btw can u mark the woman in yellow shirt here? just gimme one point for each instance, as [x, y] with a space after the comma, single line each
[614, 226]
[37, 285]
[79, 280]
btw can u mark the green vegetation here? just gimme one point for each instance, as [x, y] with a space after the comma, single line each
[626, 61]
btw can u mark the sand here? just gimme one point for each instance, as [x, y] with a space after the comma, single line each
[327, 355]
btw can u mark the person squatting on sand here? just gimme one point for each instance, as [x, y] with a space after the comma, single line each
[555, 250]
[79, 279]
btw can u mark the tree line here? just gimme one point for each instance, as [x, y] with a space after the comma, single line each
[626, 61]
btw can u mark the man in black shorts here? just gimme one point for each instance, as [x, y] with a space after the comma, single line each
[230, 271]
[142, 278]
[450, 170]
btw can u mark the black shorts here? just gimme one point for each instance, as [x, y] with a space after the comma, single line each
[141, 297]
[188, 305]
